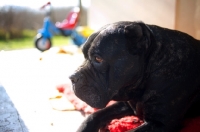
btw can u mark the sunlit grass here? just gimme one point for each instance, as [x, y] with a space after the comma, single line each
[61, 41]
[28, 42]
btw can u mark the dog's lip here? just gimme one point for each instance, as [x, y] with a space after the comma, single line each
[88, 101]
[74, 87]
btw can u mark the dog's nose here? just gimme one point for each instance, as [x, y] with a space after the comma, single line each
[73, 78]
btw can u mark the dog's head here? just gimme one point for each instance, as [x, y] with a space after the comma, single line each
[114, 63]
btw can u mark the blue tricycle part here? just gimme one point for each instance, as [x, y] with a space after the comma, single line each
[49, 29]
[77, 38]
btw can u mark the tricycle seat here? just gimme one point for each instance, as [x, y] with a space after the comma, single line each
[71, 20]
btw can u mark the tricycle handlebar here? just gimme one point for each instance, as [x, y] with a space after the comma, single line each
[48, 3]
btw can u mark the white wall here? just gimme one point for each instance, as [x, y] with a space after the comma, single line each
[159, 12]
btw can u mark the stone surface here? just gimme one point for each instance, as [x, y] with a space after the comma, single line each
[9, 118]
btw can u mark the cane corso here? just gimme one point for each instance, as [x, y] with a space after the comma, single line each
[152, 72]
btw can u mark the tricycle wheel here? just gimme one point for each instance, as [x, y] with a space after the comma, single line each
[42, 43]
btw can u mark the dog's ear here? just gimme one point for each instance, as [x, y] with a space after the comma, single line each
[138, 36]
[133, 31]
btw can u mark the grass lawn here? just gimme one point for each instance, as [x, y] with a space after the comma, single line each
[28, 42]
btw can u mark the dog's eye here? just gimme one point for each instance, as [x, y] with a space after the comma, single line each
[98, 59]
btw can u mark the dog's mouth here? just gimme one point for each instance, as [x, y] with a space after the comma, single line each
[91, 96]
[89, 92]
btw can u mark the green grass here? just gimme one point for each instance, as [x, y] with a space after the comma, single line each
[28, 42]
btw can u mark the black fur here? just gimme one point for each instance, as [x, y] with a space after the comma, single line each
[153, 72]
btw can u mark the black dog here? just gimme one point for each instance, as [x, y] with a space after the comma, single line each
[153, 72]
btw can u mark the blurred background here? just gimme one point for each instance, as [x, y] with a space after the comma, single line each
[19, 20]
[33, 84]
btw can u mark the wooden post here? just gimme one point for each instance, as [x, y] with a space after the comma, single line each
[83, 15]
[187, 17]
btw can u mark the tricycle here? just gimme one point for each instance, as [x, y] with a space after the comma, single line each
[66, 28]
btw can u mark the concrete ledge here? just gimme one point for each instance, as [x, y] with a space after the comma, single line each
[10, 120]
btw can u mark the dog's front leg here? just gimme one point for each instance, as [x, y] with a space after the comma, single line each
[100, 118]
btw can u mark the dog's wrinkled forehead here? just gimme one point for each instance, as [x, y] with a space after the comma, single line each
[104, 40]
[109, 34]
[112, 30]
